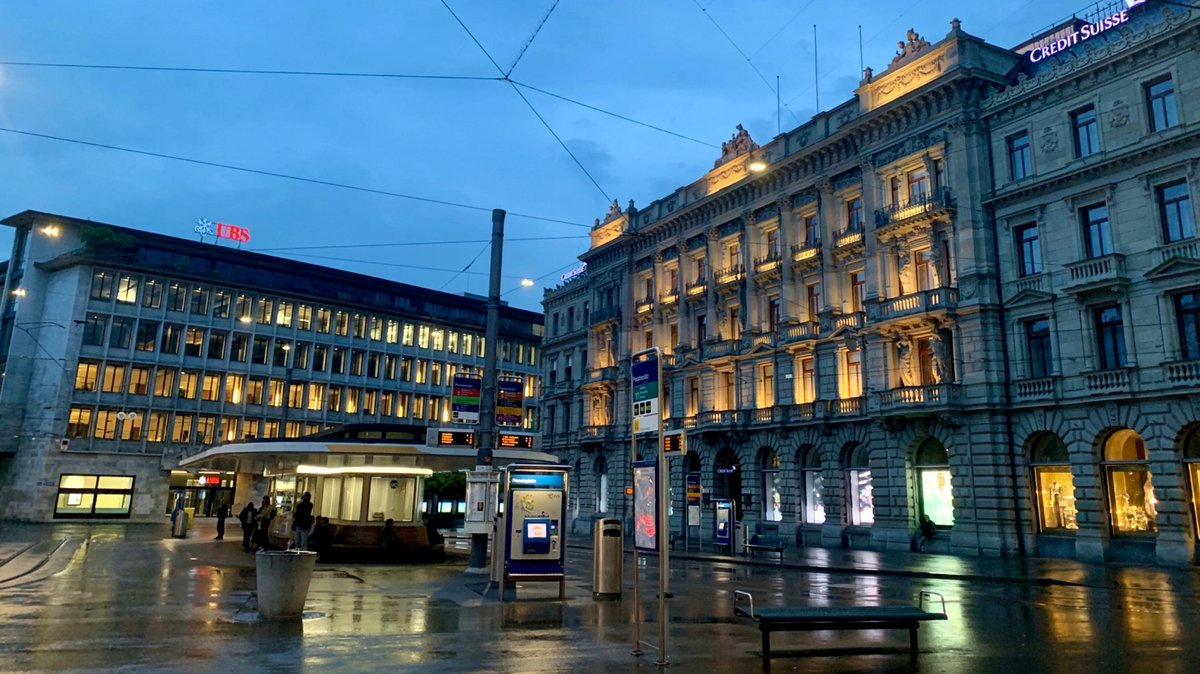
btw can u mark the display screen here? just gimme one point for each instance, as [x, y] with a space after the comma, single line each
[521, 440]
[937, 500]
[456, 439]
[537, 530]
[645, 505]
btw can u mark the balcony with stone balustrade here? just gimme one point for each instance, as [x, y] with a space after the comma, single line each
[768, 263]
[669, 297]
[1043, 388]
[730, 275]
[847, 407]
[1182, 372]
[644, 305]
[799, 332]
[696, 289]
[720, 349]
[925, 208]
[934, 396]
[915, 304]
[1095, 274]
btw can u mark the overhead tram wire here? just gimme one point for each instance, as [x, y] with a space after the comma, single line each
[781, 29]
[466, 269]
[284, 176]
[528, 42]
[527, 102]
[743, 54]
[252, 71]
[412, 243]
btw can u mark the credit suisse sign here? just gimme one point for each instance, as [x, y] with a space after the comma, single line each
[1086, 32]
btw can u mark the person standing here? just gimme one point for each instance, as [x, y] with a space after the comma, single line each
[222, 513]
[266, 513]
[247, 517]
[302, 521]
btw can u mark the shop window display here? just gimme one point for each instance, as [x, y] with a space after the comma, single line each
[934, 484]
[861, 493]
[1055, 485]
[773, 498]
[1191, 463]
[1131, 501]
[814, 487]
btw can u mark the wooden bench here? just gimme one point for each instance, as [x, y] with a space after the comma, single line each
[820, 618]
[766, 539]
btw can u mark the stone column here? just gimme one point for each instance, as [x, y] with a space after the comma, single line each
[746, 294]
[787, 238]
[713, 252]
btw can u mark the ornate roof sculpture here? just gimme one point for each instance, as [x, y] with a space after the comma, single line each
[915, 45]
[738, 145]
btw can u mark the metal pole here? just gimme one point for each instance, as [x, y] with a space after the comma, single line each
[487, 402]
[637, 575]
[664, 525]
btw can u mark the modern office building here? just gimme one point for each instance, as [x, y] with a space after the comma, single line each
[970, 293]
[124, 351]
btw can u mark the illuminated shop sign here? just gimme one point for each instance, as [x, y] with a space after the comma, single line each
[221, 230]
[1086, 32]
[578, 271]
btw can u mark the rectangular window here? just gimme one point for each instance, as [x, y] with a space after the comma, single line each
[266, 310]
[79, 423]
[245, 308]
[360, 326]
[1087, 131]
[376, 329]
[813, 300]
[437, 339]
[164, 382]
[139, 381]
[701, 329]
[1160, 99]
[156, 426]
[222, 301]
[300, 355]
[342, 324]
[334, 401]
[94, 328]
[320, 359]
[812, 232]
[351, 400]
[316, 396]
[181, 431]
[283, 314]
[423, 336]
[189, 382]
[258, 352]
[239, 350]
[1037, 341]
[323, 320]
[172, 335]
[1187, 313]
[1096, 230]
[121, 333]
[216, 344]
[304, 317]
[102, 285]
[373, 361]
[356, 362]
[210, 388]
[1175, 211]
[338, 364]
[94, 497]
[918, 186]
[854, 214]
[808, 380]
[114, 379]
[85, 376]
[407, 335]
[1029, 249]
[255, 388]
[152, 294]
[1020, 156]
[393, 332]
[200, 299]
[468, 341]
[853, 374]
[765, 395]
[280, 355]
[235, 388]
[422, 371]
[1110, 336]
[147, 335]
[176, 296]
[127, 289]
[193, 344]
[275, 393]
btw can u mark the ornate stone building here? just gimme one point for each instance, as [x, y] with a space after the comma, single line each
[869, 329]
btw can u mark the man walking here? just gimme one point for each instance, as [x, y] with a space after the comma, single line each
[302, 522]
[222, 513]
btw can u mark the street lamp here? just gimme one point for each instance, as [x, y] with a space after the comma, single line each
[122, 416]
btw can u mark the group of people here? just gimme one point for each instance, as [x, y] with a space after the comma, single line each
[307, 531]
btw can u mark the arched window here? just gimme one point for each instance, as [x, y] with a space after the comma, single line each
[601, 485]
[861, 493]
[1132, 505]
[1191, 464]
[1054, 483]
[813, 499]
[935, 491]
[772, 496]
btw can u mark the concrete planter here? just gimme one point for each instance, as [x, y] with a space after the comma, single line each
[283, 580]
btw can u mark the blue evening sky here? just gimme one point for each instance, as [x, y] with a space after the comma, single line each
[665, 63]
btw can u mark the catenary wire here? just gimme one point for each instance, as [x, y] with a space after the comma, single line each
[528, 42]
[507, 239]
[252, 71]
[274, 174]
[466, 268]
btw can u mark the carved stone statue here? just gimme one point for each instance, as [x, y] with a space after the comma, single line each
[600, 412]
[939, 366]
[915, 44]
[739, 144]
[906, 363]
[937, 265]
[902, 270]
[614, 211]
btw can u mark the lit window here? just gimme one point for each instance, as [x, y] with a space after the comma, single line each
[935, 490]
[861, 493]
[1054, 484]
[1133, 506]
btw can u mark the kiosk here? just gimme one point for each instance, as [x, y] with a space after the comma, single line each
[531, 526]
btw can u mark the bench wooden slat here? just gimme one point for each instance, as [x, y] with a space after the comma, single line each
[845, 613]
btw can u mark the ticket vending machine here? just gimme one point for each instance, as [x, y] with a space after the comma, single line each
[723, 522]
[534, 539]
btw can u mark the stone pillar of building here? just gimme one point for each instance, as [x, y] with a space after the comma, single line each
[685, 309]
[712, 251]
[750, 238]
[788, 237]
[1176, 542]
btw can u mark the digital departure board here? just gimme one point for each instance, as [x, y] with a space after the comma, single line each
[456, 439]
[516, 440]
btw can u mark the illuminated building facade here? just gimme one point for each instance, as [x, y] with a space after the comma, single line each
[971, 292]
[124, 351]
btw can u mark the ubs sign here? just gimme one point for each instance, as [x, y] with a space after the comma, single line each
[1086, 32]
[221, 230]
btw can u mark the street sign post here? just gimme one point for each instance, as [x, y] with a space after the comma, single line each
[646, 400]
[646, 391]
[465, 405]
[510, 402]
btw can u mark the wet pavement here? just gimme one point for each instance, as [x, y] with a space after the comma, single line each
[114, 597]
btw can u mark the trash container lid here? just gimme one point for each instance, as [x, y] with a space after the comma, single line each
[610, 523]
